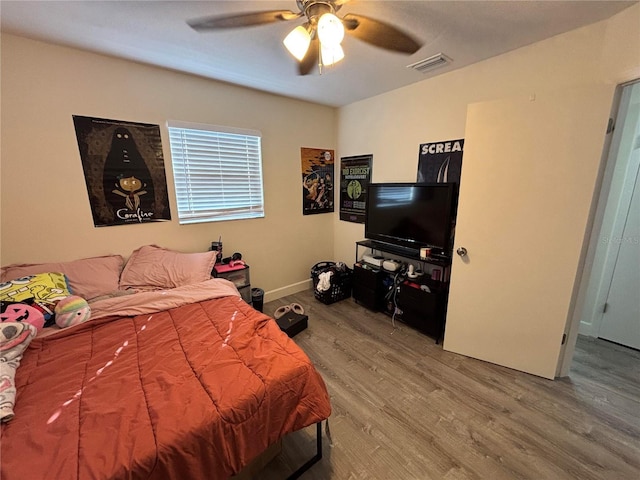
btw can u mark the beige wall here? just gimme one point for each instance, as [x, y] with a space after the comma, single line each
[393, 125]
[45, 209]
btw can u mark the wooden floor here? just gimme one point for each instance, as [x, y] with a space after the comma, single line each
[405, 409]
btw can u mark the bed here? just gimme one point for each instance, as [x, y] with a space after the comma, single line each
[180, 382]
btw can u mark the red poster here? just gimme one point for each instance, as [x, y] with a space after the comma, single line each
[317, 180]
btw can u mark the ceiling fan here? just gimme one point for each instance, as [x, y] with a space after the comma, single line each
[318, 40]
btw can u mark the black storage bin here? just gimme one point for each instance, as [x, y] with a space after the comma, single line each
[257, 298]
[425, 311]
[368, 287]
[341, 282]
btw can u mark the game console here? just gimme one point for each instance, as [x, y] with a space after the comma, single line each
[374, 260]
[392, 265]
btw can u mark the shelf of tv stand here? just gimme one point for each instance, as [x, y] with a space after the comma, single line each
[422, 310]
[410, 253]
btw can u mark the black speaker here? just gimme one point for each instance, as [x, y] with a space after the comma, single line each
[233, 258]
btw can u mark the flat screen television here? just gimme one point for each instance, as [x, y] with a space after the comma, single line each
[411, 215]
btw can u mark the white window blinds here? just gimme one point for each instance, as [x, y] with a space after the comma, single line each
[217, 172]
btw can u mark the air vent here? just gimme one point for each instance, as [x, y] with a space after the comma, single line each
[428, 64]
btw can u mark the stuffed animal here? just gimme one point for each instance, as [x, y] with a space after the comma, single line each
[41, 291]
[14, 339]
[72, 310]
[22, 312]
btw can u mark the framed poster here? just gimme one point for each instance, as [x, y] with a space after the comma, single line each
[355, 175]
[440, 162]
[124, 171]
[317, 180]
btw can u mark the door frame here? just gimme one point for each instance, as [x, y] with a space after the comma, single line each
[582, 301]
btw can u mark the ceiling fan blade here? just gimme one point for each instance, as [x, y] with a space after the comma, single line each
[242, 20]
[310, 60]
[379, 34]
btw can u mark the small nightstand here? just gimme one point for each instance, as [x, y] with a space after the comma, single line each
[238, 275]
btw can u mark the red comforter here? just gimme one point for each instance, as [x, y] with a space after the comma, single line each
[193, 392]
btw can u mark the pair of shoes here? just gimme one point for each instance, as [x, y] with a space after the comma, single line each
[294, 307]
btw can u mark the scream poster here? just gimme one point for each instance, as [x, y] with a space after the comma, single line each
[440, 162]
[317, 180]
[124, 171]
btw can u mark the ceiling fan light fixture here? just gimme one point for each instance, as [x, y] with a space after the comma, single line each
[331, 55]
[318, 40]
[330, 30]
[297, 42]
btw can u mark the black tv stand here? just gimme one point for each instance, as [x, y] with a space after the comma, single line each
[388, 247]
[396, 294]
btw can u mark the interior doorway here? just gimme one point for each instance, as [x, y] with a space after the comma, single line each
[620, 322]
[611, 307]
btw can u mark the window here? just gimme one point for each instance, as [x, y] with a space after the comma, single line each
[217, 172]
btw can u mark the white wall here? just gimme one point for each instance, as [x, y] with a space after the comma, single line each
[45, 209]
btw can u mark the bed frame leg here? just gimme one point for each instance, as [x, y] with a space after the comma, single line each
[315, 459]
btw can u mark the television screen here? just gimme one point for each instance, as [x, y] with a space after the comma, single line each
[411, 215]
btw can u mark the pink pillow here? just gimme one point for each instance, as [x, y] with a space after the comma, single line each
[153, 267]
[88, 277]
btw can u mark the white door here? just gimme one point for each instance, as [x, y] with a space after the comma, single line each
[621, 320]
[529, 173]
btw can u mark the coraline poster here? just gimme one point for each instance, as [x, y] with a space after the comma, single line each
[124, 171]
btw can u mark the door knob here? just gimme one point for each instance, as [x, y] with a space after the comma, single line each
[461, 251]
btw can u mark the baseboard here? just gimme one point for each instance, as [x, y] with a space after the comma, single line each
[287, 290]
[587, 329]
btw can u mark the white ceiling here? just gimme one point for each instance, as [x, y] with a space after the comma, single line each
[156, 32]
